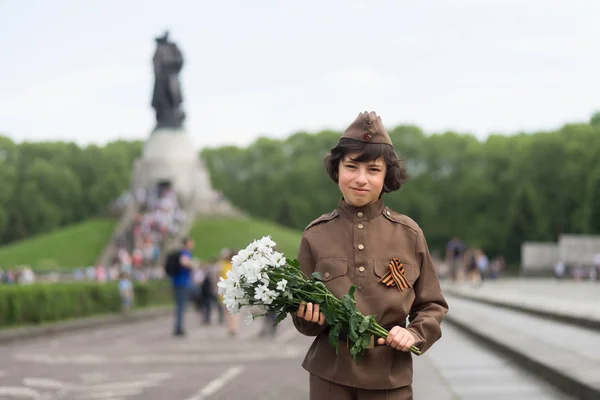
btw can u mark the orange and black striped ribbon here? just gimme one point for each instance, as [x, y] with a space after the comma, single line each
[395, 276]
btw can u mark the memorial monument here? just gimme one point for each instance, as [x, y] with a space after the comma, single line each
[169, 157]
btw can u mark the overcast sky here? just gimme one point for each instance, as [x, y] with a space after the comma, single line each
[81, 70]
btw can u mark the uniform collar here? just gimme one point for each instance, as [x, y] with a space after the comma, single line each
[365, 213]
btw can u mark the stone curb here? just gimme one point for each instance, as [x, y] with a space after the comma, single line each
[12, 335]
[555, 315]
[570, 373]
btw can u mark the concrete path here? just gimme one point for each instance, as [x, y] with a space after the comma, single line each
[142, 361]
[576, 302]
[547, 326]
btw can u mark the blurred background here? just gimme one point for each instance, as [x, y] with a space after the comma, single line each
[126, 127]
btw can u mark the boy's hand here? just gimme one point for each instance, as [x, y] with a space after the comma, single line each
[399, 338]
[310, 312]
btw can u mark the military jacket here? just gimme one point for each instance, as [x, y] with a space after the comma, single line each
[354, 246]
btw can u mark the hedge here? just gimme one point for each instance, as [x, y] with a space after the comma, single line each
[44, 302]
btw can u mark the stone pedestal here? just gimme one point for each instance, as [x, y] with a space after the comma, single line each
[170, 156]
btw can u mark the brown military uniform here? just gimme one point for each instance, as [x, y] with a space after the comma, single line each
[353, 246]
[359, 246]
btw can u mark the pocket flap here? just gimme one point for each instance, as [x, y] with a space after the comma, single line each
[381, 268]
[331, 268]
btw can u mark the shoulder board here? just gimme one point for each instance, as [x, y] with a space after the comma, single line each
[323, 218]
[400, 219]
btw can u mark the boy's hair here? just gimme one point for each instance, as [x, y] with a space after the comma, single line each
[396, 174]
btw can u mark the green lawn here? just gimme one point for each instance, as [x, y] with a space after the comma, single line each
[73, 246]
[213, 234]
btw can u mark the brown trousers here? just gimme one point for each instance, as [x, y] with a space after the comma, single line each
[320, 389]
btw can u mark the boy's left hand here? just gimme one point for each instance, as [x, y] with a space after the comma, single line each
[399, 338]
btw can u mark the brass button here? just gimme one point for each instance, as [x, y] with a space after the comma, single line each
[361, 246]
[361, 268]
[326, 274]
[360, 214]
[360, 226]
[388, 213]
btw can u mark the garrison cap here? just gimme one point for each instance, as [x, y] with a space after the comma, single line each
[368, 128]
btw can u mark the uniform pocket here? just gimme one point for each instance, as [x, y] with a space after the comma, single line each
[331, 268]
[381, 268]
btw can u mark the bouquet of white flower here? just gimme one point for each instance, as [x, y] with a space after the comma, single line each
[261, 277]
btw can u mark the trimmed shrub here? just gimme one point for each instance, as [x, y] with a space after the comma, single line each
[37, 303]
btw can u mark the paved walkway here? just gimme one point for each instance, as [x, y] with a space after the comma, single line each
[550, 326]
[142, 361]
[563, 298]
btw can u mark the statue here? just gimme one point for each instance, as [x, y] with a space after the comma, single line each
[167, 98]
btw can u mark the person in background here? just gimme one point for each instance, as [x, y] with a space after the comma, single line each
[483, 264]
[560, 269]
[454, 257]
[182, 285]
[126, 292]
[209, 297]
[595, 272]
[215, 273]
[196, 295]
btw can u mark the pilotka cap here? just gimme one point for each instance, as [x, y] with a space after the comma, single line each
[368, 128]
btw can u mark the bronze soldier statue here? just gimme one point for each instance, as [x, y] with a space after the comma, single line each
[167, 98]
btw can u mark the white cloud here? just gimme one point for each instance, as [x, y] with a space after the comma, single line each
[468, 65]
[357, 75]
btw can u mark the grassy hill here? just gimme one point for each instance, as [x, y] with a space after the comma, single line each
[81, 244]
[213, 234]
[70, 247]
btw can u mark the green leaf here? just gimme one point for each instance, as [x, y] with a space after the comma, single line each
[320, 284]
[294, 263]
[330, 315]
[348, 303]
[365, 340]
[316, 276]
[280, 317]
[351, 291]
[334, 336]
[364, 325]
[356, 352]
[353, 334]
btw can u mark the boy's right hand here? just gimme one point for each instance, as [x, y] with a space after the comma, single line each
[310, 312]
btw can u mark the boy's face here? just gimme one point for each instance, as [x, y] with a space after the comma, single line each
[361, 183]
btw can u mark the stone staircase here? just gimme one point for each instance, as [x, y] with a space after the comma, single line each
[110, 250]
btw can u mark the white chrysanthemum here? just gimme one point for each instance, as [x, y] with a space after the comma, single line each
[265, 242]
[281, 285]
[225, 285]
[265, 295]
[240, 257]
[271, 296]
[252, 270]
[234, 299]
[232, 305]
[252, 247]
[278, 259]
[261, 292]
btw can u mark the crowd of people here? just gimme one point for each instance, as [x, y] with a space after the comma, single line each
[578, 272]
[22, 275]
[469, 263]
[140, 245]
